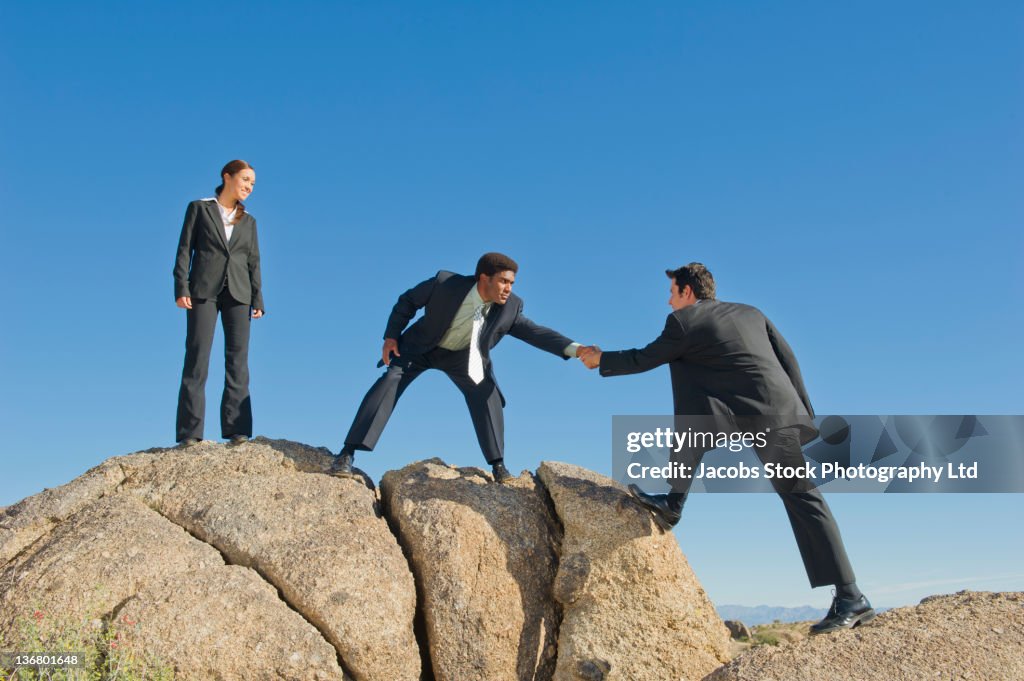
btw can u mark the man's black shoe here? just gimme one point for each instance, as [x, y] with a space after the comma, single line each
[501, 473]
[666, 515]
[342, 466]
[845, 614]
[189, 442]
[238, 439]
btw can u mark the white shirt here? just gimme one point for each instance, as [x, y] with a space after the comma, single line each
[461, 331]
[226, 216]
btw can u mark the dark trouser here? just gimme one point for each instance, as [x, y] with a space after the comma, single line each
[483, 399]
[235, 407]
[816, 532]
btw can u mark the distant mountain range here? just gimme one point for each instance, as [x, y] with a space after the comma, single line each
[766, 614]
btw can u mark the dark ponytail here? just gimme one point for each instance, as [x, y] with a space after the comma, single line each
[233, 168]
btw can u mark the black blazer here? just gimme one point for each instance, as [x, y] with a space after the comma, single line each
[442, 295]
[205, 257]
[726, 359]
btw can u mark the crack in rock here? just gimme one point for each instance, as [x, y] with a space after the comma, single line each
[255, 570]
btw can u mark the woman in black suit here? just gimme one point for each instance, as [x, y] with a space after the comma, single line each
[218, 270]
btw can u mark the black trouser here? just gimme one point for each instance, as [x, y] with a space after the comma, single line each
[816, 532]
[235, 406]
[483, 399]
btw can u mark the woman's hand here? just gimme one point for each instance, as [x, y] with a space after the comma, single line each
[185, 302]
[256, 314]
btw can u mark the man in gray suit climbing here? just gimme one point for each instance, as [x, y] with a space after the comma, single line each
[729, 362]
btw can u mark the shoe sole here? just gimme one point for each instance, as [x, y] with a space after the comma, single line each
[661, 522]
[865, 618]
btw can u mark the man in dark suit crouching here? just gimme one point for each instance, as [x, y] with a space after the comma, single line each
[464, 317]
[729, 362]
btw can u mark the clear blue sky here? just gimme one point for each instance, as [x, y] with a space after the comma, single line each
[854, 171]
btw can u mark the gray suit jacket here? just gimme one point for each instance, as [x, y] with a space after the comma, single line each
[205, 257]
[726, 359]
[441, 296]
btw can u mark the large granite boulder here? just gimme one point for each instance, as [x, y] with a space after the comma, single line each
[319, 540]
[95, 560]
[31, 518]
[737, 629]
[484, 556]
[632, 608]
[248, 562]
[224, 623]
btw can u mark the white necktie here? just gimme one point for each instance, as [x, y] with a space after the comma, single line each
[476, 360]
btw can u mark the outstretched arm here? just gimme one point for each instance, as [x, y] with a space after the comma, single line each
[542, 337]
[668, 346]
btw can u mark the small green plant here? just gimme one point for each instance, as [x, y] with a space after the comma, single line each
[766, 638]
[109, 649]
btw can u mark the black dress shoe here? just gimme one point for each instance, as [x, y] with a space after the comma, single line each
[501, 473]
[342, 466]
[845, 614]
[666, 514]
[189, 442]
[238, 439]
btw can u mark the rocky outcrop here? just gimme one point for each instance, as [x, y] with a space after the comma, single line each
[319, 540]
[968, 635]
[737, 629]
[225, 623]
[484, 556]
[30, 519]
[632, 606]
[95, 560]
[244, 562]
[318, 543]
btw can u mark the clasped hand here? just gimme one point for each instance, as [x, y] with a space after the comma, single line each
[590, 355]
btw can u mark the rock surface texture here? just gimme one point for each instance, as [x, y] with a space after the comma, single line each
[231, 562]
[484, 556]
[249, 562]
[632, 608]
[968, 635]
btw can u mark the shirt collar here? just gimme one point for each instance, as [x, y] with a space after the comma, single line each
[476, 299]
[223, 210]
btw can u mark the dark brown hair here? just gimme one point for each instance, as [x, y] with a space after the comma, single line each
[233, 168]
[492, 263]
[697, 277]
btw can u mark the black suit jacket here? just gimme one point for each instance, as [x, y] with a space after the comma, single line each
[205, 257]
[726, 359]
[441, 296]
